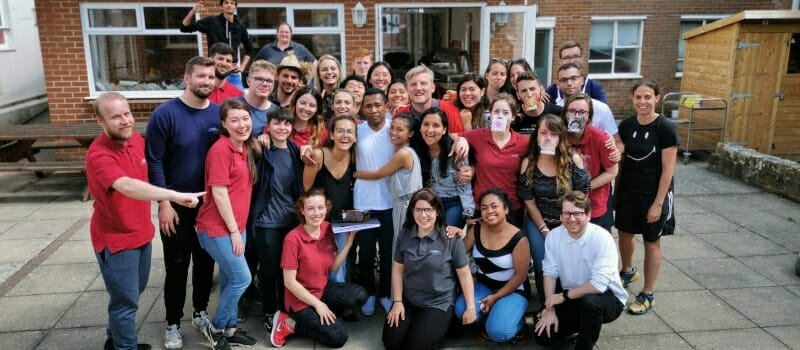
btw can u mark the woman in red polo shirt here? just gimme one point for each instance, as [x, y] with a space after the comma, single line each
[309, 254]
[230, 173]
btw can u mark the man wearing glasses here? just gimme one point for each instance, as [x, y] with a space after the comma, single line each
[261, 80]
[222, 55]
[583, 257]
[571, 52]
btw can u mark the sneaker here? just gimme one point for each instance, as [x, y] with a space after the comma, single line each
[219, 340]
[629, 277]
[109, 345]
[268, 324]
[201, 320]
[368, 309]
[644, 302]
[241, 339]
[173, 339]
[386, 302]
[208, 334]
[279, 329]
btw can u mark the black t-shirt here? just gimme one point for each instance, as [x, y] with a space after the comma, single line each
[526, 125]
[641, 169]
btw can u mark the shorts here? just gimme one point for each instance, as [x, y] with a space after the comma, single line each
[632, 215]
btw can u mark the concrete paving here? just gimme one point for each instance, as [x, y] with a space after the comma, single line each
[727, 280]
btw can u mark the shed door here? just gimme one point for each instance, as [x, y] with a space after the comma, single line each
[758, 77]
[786, 137]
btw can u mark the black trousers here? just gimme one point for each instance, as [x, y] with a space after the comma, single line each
[337, 296]
[269, 244]
[584, 316]
[366, 254]
[181, 248]
[422, 329]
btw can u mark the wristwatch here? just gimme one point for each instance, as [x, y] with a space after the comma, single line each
[565, 294]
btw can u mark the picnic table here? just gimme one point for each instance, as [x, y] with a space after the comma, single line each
[23, 141]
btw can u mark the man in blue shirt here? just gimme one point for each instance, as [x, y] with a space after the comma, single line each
[571, 52]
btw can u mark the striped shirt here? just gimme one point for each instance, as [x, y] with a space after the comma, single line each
[496, 267]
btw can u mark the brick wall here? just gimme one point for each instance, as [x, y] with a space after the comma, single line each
[67, 81]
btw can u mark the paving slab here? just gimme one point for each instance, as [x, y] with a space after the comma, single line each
[5, 225]
[34, 312]
[743, 243]
[158, 313]
[9, 269]
[669, 341]
[721, 273]
[685, 205]
[48, 279]
[72, 252]
[778, 268]
[706, 223]
[91, 309]
[789, 335]
[66, 208]
[44, 229]
[688, 246]
[728, 205]
[670, 278]
[626, 325]
[83, 233]
[697, 311]
[794, 289]
[684, 187]
[752, 338]
[21, 340]
[766, 222]
[74, 339]
[22, 250]
[788, 240]
[766, 306]
[16, 211]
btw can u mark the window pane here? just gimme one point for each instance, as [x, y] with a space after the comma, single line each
[600, 67]
[541, 62]
[164, 17]
[685, 27]
[262, 17]
[139, 62]
[112, 18]
[316, 18]
[600, 41]
[322, 44]
[626, 61]
[794, 55]
[628, 34]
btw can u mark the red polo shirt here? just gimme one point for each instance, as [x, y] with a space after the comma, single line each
[495, 167]
[224, 92]
[311, 258]
[118, 221]
[592, 146]
[452, 112]
[303, 136]
[225, 166]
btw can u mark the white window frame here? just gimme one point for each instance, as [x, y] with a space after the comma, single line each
[138, 30]
[5, 26]
[615, 20]
[547, 24]
[290, 8]
[693, 18]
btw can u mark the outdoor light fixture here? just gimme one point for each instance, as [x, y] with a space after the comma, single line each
[359, 15]
[500, 19]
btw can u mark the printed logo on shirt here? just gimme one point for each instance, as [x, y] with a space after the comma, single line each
[143, 162]
[436, 252]
[213, 130]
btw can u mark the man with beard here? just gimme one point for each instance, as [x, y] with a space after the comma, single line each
[531, 107]
[179, 134]
[222, 54]
[121, 230]
[290, 79]
[224, 28]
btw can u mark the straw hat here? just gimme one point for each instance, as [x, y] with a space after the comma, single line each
[290, 61]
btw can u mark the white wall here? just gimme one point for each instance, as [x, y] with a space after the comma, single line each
[22, 86]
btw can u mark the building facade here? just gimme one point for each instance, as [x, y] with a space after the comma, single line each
[22, 88]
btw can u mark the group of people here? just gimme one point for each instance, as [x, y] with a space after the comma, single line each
[255, 182]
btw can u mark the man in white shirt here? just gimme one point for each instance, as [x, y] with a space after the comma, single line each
[583, 257]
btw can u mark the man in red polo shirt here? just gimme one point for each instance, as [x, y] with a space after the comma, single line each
[121, 227]
[420, 86]
[222, 54]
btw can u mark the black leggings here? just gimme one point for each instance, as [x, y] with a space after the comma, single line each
[337, 296]
[269, 244]
[423, 328]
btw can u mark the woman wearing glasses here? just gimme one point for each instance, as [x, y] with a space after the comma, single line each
[548, 171]
[380, 75]
[426, 264]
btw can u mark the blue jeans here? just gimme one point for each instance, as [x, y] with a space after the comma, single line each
[236, 80]
[536, 241]
[339, 275]
[234, 277]
[125, 274]
[452, 211]
[505, 318]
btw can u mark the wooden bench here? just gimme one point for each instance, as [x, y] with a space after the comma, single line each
[40, 145]
[40, 168]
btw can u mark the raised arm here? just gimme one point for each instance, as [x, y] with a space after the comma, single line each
[187, 25]
[401, 160]
[311, 169]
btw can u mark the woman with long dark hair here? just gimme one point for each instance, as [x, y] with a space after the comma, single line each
[471, 100]
[308, 127]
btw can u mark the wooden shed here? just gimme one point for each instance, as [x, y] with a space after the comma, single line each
[751, 59]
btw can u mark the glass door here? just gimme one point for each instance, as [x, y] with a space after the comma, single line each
[507, 32]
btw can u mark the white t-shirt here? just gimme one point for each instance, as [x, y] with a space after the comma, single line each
[593, 257]
[373, 151]
[602, 117]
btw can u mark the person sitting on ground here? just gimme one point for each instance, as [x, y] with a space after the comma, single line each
[583, 257]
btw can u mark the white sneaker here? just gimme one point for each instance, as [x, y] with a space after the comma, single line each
[173, 339]
[201, 321]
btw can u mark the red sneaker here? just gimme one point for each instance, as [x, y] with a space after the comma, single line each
[279, 329]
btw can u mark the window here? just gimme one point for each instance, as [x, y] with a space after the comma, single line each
[688, 23]
[4, 25]
[543, 59]
[615, 47]
[137, 48]
[319, 27]
[793, 67]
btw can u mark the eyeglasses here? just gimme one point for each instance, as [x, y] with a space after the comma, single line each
[420, 211]
[574, 214]
[344, 131]
[567, 58]
[380, 75]
[572, 78]
[504, 61]
[262, 81]
[577, 113]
